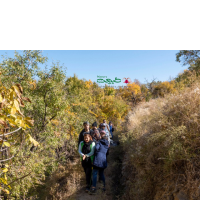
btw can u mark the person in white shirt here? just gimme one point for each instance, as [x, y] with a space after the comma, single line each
[107, 126]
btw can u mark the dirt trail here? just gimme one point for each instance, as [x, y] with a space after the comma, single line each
[112, 173]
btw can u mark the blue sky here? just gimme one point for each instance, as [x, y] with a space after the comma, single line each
[139, 65]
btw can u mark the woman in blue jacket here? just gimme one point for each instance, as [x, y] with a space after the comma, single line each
[100, 162]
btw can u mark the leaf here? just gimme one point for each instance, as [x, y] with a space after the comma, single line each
[16, 105]
[17, 91]
[1, 98]
[26, 99]
[4, 181]
[4, 170]
[21, 102]
[6, 144]
[35, 143]
[18, 111]
[6, 191]
[29, 121]
[13, 110]
[3, 122]
[20, 87]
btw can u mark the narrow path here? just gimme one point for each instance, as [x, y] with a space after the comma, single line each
[111, 174]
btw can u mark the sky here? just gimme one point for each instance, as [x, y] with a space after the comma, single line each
[142, 65]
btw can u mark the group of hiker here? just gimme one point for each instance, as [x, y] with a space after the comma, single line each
[93, 148]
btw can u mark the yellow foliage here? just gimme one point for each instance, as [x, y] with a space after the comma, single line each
[31, 140]
[88, 83]
[164, 88]
[33, 84]
[132, 88]
[93, 113]
[55, 122]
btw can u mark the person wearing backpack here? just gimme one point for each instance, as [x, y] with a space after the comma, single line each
[86, 151]
[100, 161]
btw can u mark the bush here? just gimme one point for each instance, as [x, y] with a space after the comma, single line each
[161, 145]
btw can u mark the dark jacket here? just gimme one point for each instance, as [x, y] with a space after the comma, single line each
[100, 153]
[81, 138]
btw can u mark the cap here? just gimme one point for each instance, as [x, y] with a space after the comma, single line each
[102, 132]
[86, 123]
[94, 124]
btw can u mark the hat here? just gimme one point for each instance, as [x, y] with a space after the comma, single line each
[102, 132]
[94, 124]
[103, 124]
[86, 123]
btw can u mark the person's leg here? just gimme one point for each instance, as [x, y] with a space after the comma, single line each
[101, 173]
[94, 179]
[88, 175]
[111, 133]
[99, 177]
[107, 153]
[85, 173]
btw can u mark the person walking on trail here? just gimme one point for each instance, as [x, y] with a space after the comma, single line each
[100, 161]
[100, 125]
[111, 128]
[86, 151]
[94, 127]
[96, 136]
[107, 127]
[95, 132]
[86, 129]
[103, 127]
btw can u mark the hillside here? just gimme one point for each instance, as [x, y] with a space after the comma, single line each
[161, 148]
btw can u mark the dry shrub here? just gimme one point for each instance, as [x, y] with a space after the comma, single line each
[162, 148]
[63, 183]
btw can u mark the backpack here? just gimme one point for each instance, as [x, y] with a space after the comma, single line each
[113, 129]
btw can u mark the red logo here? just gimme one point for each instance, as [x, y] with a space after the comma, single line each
[127, 80]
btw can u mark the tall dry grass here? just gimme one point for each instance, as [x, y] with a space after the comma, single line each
[162, 148]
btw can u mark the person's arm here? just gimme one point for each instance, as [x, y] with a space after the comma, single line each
[80, 137]
[109, 139]
[108, 127]
[97, 146]
[79, 150]
[108, 135]
[92, 151]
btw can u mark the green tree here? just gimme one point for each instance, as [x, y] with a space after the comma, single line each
[189, 57]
